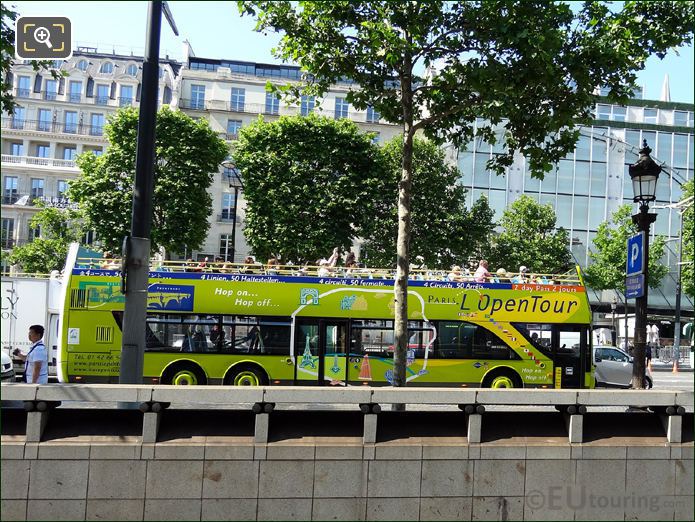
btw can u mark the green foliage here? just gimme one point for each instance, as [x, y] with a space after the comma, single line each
[188, 152]
[607, 265]
[529, 238]
[529, 66]
[307, 180]
[7, 54]
[59, 228]
[687, 241]
[444, 232]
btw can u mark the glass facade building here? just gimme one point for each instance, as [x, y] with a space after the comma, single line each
[587, 186]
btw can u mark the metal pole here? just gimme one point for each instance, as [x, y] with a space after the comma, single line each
[643, 220]
[137, 253]
[677, 325]
[236, 196]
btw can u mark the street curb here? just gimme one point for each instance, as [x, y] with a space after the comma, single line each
[670, 369]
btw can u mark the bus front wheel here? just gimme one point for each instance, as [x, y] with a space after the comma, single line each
[246, 375]
[184, 375]
[502, 379]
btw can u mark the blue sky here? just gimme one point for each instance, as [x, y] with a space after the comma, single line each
[216, 30]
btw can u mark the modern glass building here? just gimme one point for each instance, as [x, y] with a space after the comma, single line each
[587, 186]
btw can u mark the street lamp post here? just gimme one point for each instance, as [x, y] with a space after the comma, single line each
[614, 306]
[644, 174]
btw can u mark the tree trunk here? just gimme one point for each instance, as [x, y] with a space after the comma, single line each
[400, 290]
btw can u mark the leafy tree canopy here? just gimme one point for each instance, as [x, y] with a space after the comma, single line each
[7, 54]
[307, 181]
[187, 153]
[444, 232]
[608, 263]
[59, 227]
[529, 238]
[687, 240]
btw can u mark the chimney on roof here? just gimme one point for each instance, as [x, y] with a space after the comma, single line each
[665, 90]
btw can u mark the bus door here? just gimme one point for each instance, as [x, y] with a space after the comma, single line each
[320, 347]
[569, 353]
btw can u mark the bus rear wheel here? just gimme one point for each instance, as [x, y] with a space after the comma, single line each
[185, 374]
[502, 379]
[246, 375]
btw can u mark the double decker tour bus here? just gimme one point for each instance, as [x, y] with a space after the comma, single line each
[255, 325]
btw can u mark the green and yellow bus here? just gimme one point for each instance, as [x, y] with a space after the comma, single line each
[246, 325]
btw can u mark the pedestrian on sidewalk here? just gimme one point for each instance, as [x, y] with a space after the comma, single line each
[36, 361]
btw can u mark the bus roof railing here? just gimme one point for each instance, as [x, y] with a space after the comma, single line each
[570, 277]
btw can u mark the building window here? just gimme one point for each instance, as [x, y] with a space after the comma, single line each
[610, 112]
[102, 97]
[75, 91]
[650, 115]
[88, 238]
[69, 153]
[34, 233]
[161, 72]
[618, 113]
[272, 104]
[17, 149]
[82, 65]
[680, 118]
[51, 90]
[372, 115]
[307, 105]
[7, 232]
[62, 186]
[197, 97]
[98, 152]
[18, 118]
[341, 108]
[71, 122]
[43, 151]
[228, 206]
[233, 127]
[97, 125]
[106, 68]
[44, 123]
[10, 193]
[126, 98]
[226, 247]
[23, 87]
[238, 99]
[36, 188]
[132, 70]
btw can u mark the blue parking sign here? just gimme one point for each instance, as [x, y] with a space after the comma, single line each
[635, 255]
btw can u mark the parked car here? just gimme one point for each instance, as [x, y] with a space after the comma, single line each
[614, 368]
[7, 369]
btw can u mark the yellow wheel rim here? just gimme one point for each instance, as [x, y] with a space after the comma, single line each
[246, 378]
[502, 381]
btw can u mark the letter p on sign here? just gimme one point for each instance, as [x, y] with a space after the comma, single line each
[635, 254]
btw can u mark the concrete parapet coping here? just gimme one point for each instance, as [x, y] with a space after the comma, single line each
[530, 397]
[295, 394]
[628, 397]
[94, 392]
[331, 395]
[424, 395]
[18, 392]
[207, 394]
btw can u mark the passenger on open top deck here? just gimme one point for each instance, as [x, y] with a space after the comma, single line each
[481, 274]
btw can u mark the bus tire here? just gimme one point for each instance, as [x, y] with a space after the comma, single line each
[184, 374]
[502, 378]
[246, 375]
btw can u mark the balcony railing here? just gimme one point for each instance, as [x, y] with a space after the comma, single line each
[7, 242]
[29, 200]
[267, 109]
[22, 93]
[101, 100]
[226, 217]
[38, 162]
[54, 127]
[52, 96]
[125, 102]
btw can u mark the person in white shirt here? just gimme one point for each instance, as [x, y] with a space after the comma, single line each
[36, 360]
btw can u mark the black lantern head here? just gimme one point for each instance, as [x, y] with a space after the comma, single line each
[644, 175]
